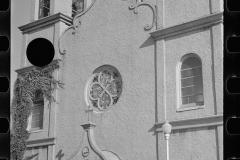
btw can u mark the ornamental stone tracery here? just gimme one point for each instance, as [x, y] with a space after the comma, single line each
[104, 88]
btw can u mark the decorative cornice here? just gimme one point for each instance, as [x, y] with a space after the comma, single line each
[153, 8]
[46, 21]
[41, 142]
[26, 69]
[192, 123]
[200, 23]
[75, 24]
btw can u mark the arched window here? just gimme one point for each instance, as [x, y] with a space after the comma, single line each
[36, 117]
[191, 82]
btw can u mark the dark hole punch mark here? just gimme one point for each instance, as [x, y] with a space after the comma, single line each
[4, 43]
[233, 85]
[233, 5]
[4, 84]
[232, 126]
[40, 52]
[4, 5]
[4, 125]
[233, 44]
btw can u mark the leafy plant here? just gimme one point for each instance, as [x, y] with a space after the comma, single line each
[23, 93]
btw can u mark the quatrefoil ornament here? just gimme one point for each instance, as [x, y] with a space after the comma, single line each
[105, 88]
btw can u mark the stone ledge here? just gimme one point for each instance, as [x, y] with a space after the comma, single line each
[209, 121]
[26, 69]
[41, 142]
[46, 21]
[200, 23]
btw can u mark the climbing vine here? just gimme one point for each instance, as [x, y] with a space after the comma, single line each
[22, 103]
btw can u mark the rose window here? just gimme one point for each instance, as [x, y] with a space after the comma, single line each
[104, 88]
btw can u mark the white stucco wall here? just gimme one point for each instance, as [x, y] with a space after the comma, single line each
[111, 34]
[72, 107]
[114, 37]
[181, 11]
[194, 144]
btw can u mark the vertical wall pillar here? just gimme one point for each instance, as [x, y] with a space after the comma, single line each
[160, 14]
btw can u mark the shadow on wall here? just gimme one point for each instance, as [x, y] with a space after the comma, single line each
[147, 43]
[60, 155]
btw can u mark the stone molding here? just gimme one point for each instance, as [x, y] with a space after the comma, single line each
[41, 142]
[46, 21]
[197, 24]
[209, 121]
[89, 141]
[26, 69]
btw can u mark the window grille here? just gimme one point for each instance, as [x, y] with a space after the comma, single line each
[37, 112]
[44, 8]
[104, 88]
[191, 81]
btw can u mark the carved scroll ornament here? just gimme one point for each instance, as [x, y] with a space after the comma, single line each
[152, 7]
[76, 23]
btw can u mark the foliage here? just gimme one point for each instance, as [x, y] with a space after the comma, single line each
[22, 103]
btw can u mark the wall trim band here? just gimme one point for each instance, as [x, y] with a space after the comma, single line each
[46, 21]
[197, 24]
[26, 69]
[41, 142]
[209, 121]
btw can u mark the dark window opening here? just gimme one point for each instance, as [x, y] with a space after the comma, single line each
[37, 112]
[77, 7]
[191, 81]
[44, 8]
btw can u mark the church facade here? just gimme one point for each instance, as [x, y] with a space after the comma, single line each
[128, 67]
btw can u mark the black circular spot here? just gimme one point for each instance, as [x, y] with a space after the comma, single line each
[40, 52]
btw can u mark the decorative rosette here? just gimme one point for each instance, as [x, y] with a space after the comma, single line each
[104, 89]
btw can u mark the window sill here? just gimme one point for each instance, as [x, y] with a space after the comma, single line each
[41, 142]
[35, 130]
[191, 106]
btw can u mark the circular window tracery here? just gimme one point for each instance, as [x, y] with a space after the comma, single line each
[104, 88]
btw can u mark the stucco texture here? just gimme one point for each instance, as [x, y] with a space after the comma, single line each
[181, 11]
[193, 144]
[110, 34]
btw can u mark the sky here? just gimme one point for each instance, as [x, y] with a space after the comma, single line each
[20, 15]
